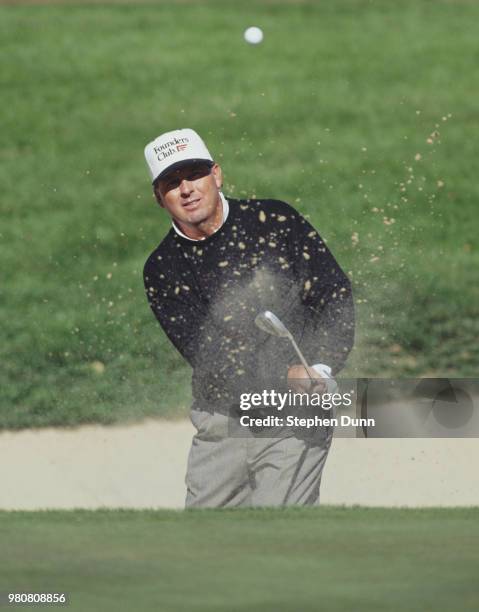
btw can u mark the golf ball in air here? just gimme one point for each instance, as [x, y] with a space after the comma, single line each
[253, 35]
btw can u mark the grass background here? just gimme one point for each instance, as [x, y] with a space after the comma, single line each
[331, 113]
[331, 559]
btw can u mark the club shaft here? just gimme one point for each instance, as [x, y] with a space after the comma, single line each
[300, 355]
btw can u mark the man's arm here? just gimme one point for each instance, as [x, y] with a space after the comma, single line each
[179, 317]
[220, 359]
[324, 308]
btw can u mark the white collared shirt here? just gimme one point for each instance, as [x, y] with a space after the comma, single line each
[226, 210]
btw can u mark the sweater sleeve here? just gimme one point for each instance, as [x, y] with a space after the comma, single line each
[324, 306]
[179, 316]
[220, 360]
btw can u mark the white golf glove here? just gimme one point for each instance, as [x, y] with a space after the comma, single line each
[325, 372]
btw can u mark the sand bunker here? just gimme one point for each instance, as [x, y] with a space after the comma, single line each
[143, 466]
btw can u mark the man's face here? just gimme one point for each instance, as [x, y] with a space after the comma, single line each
[191, 195]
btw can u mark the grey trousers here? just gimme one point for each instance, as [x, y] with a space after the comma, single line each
[227, 472]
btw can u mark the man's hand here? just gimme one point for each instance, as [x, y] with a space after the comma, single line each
[305, 380]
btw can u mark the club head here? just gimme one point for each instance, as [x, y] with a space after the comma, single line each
[269, 322]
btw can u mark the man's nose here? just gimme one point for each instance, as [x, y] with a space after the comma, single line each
[185, 187]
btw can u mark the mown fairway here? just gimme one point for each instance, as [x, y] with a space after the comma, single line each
[246, 560]
[332, 113]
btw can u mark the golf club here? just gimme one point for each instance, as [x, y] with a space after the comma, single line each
[271, 324]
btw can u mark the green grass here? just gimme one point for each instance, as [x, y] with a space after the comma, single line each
[246, 560]
[328, 114]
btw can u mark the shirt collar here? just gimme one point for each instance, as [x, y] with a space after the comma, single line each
[226, 210]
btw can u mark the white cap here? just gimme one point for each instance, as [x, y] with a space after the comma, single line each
[173, 150]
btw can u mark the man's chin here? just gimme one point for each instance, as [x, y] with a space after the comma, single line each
[195, 217]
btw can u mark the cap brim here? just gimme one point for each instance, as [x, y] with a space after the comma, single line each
[181, 164]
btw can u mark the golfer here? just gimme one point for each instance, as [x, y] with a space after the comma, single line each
[222, 263]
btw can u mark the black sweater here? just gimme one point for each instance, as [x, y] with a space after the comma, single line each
[206, 295]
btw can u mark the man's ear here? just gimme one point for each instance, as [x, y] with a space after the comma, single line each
[217, 175]
[157, 196]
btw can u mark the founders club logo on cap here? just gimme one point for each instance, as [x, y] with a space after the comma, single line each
[173, 150]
